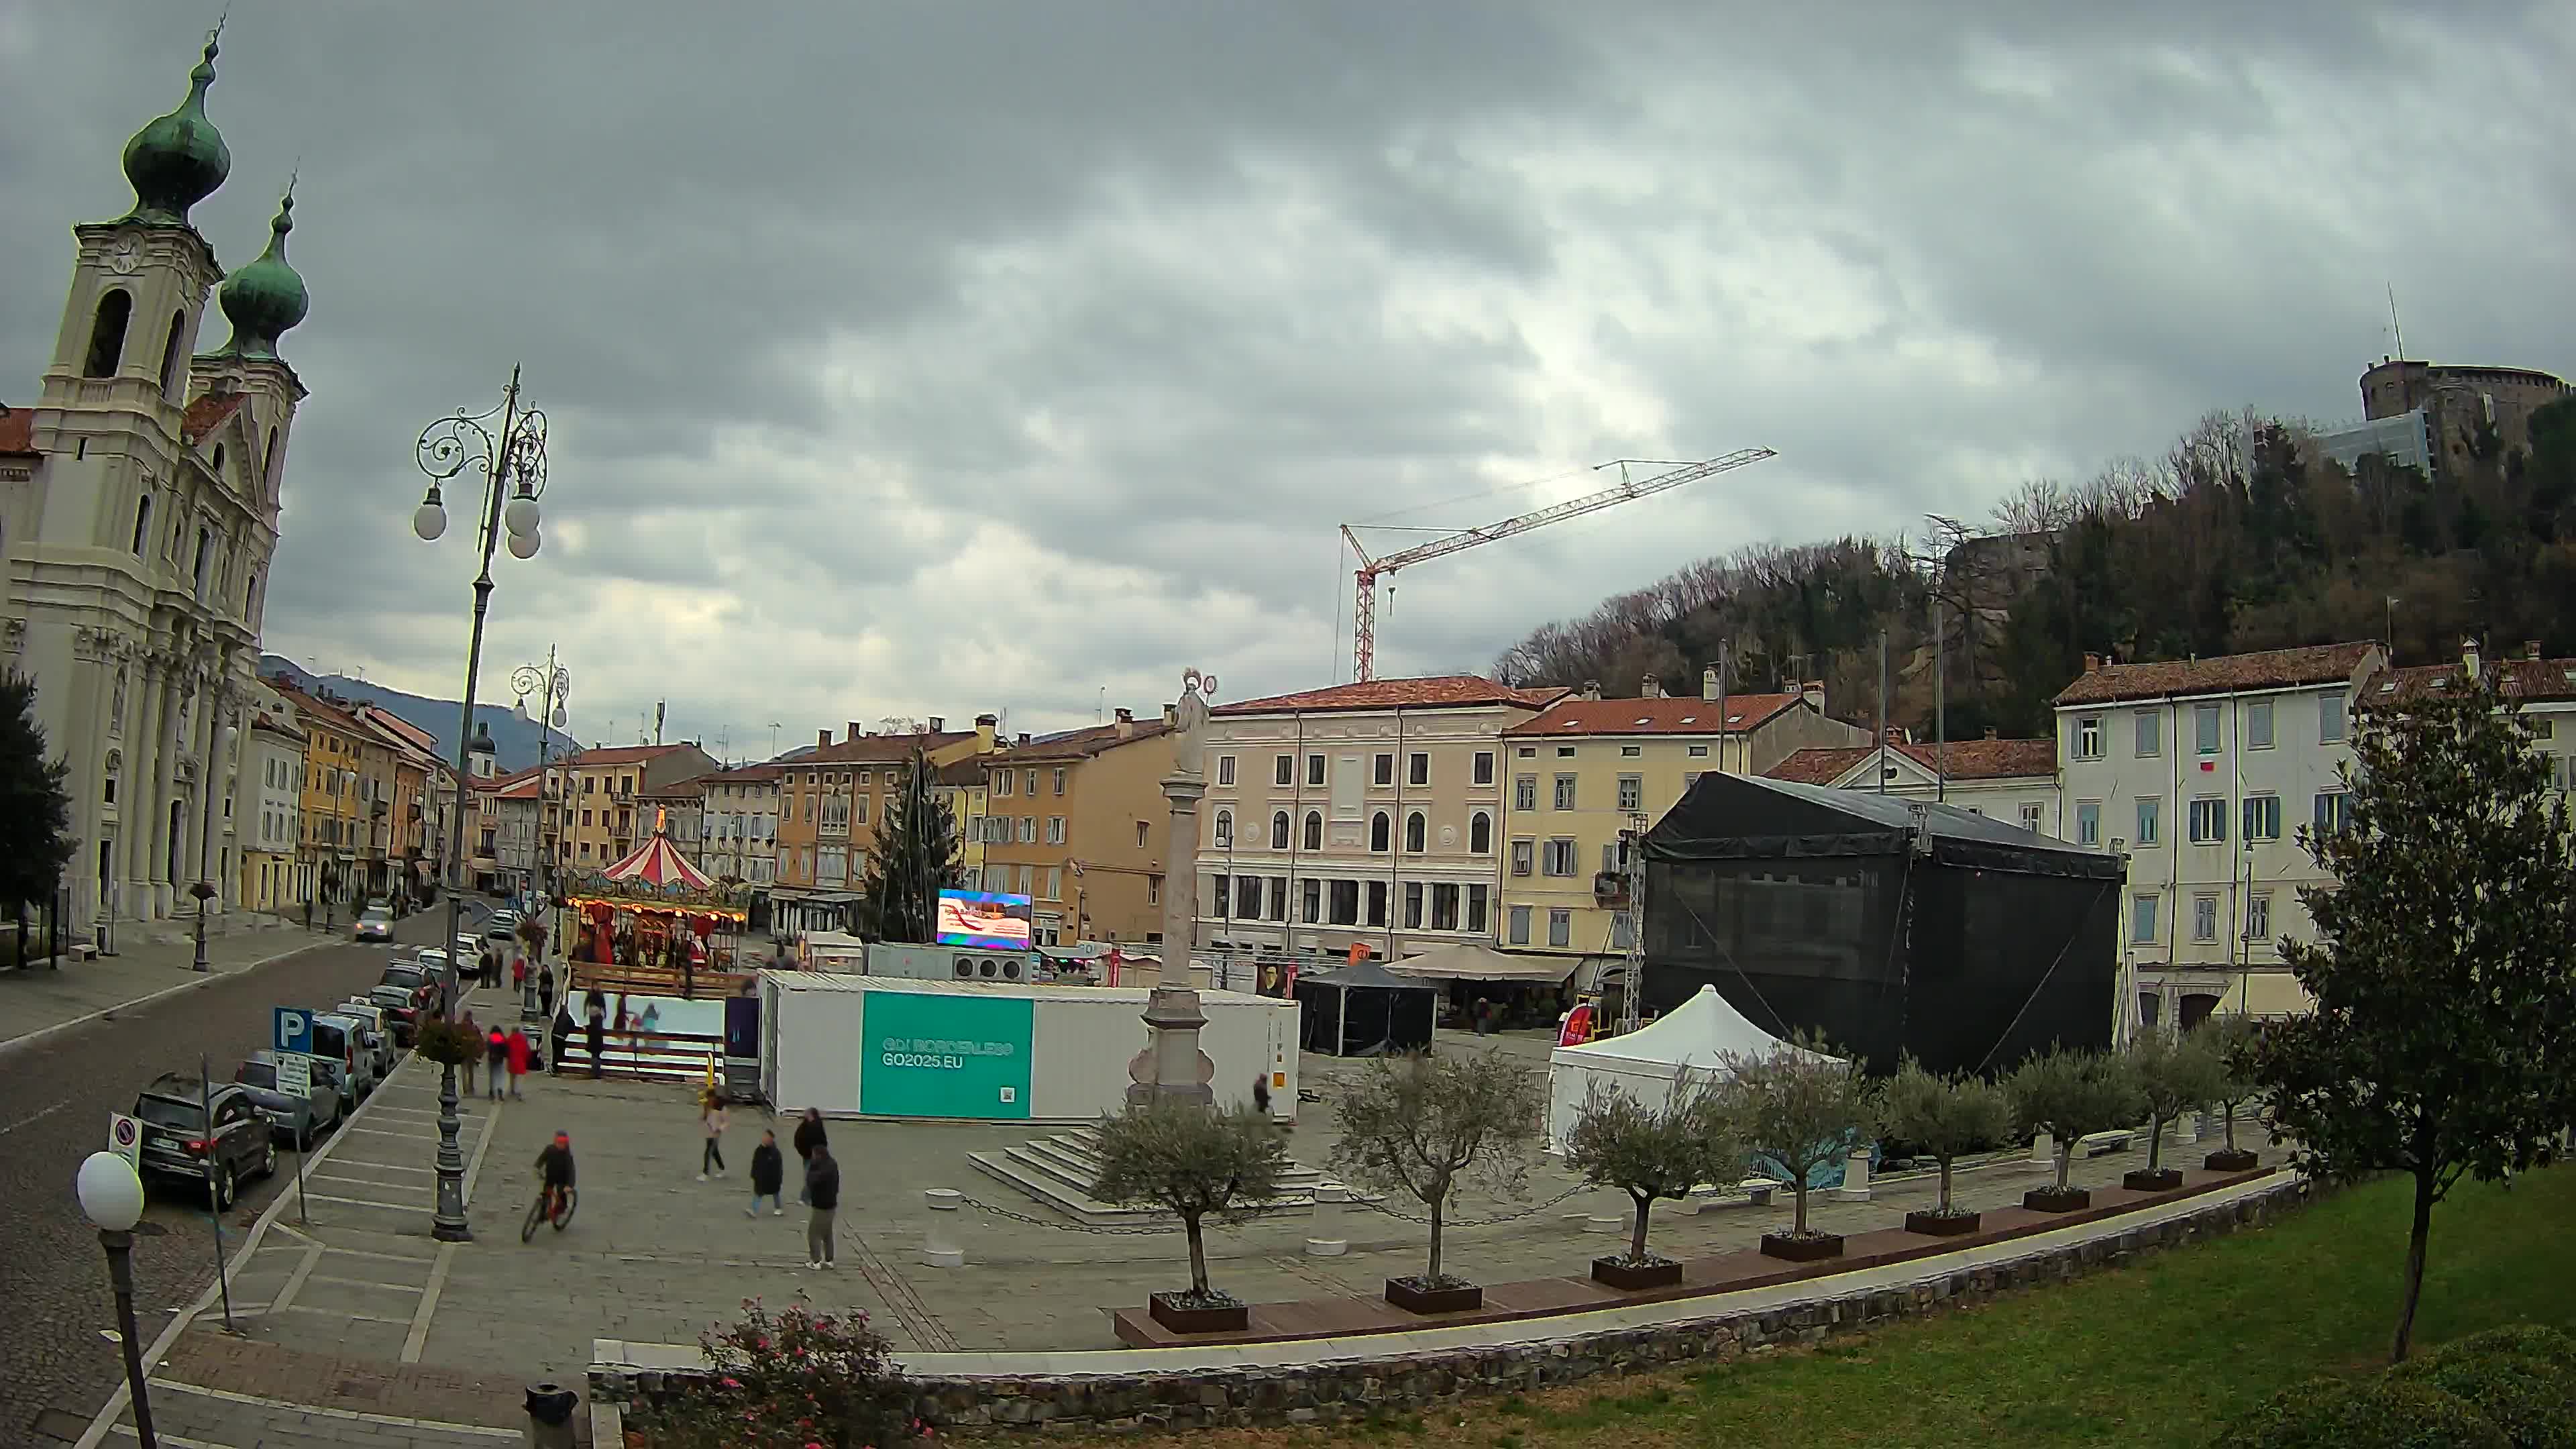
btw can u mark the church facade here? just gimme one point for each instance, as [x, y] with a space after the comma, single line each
[138, 518]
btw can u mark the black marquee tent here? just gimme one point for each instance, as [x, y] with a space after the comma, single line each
[1889, 925]
[1364, 1010]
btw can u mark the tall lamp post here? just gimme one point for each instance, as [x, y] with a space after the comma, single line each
[513, 464]
[211, 779]
[111, 1197]
[553, 684]
[1171, 1067]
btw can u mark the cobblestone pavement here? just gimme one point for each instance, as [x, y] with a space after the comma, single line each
[55, 1098]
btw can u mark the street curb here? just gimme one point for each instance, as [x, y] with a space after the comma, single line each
[104, 1423]
[194, 981]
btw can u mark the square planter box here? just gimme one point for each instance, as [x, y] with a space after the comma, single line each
[2162, 1179]
[1941, 1225]
[1403, 1294]
[1802, 1250]
[2050, 1200]
[2239, 1160]
[1180, 1318]
[1619, 1273]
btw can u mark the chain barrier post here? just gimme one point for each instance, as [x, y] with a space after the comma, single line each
[1327, 1238]
[939, 1245]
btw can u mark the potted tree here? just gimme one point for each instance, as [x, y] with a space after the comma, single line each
[2172, 1077]
[1422, 1126]
[1947, 1118]
[2069, 1094]
[1649, 1153]
[2231, 1042]
[1195, 1164]
[1801, 1107]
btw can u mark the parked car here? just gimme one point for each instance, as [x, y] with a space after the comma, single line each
[340, 1038]
[404, 1006]
[300, 1119]
[200, 1132]
[408, 974]
[375, 923]
[503, 919]
[375, 1031]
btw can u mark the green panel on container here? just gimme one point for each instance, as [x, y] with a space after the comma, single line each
[933, 1054]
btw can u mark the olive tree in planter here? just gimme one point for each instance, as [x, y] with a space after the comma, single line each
[1195, 1164]
[2231, 1042]
[1650, 1153]
[1423, 1126]
[1947, 1118]
[1801, 1107]
[2172, 1077]
[2069, 1095]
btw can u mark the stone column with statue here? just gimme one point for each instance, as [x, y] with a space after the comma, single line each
[1171, 1067]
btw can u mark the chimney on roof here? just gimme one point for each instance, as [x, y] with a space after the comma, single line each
[1024, 738]
[2092, 663]
[855, 731]
[2469, 656]
[822, 739]
[1708, 684]
[1813, 692]
[1990, 732]
[2531, 649]
[1126, 723]
[938, 724]
[986, 726]
[1650, 688]
[1171, 716]
[1591, 690]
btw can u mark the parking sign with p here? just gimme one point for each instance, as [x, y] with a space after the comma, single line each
[294, 1030]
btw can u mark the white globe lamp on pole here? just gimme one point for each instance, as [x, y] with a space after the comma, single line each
[111, 1197]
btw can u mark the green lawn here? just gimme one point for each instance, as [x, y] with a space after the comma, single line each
[2158, 1353]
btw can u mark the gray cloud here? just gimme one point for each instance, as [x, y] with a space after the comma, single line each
[927, 358]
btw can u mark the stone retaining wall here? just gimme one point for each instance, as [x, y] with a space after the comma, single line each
[1408, 1382]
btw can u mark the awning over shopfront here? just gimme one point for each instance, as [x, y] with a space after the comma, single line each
[1470, 962]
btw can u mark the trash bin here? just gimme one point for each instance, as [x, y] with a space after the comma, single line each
[550, 1409]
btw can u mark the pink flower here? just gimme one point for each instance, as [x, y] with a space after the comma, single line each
[732, 1383]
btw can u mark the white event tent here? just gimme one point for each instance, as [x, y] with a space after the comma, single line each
[1644, 1063]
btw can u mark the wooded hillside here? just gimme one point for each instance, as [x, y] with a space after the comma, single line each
[2241, 536]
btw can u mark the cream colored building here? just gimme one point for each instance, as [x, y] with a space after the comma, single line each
[1585, 771]
[1077, 822]
[742, 825]
[138, 515]
[1367, 814]
[2014, 781]
[270, 810]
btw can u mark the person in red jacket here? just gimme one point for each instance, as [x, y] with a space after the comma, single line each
[519, 1051]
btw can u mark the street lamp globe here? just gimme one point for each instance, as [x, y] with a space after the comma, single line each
[520, 514]
[111, 1196]
[524, 545]
[429, 520]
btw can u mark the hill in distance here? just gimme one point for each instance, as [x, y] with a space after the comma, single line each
[517, 743]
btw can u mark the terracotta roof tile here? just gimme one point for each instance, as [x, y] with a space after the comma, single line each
[1437, 691]
[2523, 679]
[881, 749]
[622, 754]
[1966, 760]
[1079, 744]
[1668, 716]
[2225, 674]
[209, 413]
[17, 430]
[968, 771]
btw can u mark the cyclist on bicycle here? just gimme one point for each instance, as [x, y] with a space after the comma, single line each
[555, 1164]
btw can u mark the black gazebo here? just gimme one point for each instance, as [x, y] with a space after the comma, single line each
[1890, 925]
[1365, 1010]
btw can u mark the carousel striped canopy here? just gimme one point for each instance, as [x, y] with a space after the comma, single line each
[658, 863]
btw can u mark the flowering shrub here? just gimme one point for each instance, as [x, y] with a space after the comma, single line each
[794, 1379]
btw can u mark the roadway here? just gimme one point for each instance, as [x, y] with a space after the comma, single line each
[57, 1364]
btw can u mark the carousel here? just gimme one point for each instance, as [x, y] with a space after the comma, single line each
[655, 916]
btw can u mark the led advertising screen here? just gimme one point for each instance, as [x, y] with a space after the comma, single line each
[984, 920]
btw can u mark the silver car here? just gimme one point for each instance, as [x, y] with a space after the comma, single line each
[298, 1119]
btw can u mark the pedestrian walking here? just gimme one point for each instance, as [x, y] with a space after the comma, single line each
[519, 1050]
[559, 1038]
[496, 1061]
[1483, 1016]
[545, 990]
[768, 1175]
[474, 1032]
[491, 970]
[822, 1199]
[809, 1140]
[519, 976]
[597, 1011]
[1261, 1093]
[711, 1117]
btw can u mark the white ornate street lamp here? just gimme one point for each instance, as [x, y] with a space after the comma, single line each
[513, 464]
[111, 1197]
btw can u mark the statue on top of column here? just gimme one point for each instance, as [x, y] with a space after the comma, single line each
[1190, 721]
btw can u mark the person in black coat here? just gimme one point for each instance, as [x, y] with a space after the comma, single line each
[809, 1140]
[768, 1174]
[596, 1009]
[823, 1198]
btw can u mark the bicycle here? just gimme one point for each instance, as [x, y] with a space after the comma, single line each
[552, 1205]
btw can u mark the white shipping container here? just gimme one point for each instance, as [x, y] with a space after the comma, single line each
[952, 1050]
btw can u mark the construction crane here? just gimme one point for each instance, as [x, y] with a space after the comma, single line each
[1364, 612]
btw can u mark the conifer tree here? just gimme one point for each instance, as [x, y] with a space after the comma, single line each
[35, 809]
[915, 857]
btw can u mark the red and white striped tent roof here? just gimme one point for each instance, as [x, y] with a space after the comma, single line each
[659, 864]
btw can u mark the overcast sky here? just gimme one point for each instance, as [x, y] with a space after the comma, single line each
[939, 357]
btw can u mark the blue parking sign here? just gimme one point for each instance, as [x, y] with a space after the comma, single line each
[294, 1030]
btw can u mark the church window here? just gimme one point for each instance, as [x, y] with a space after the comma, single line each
[170, 352]
[268, 464]
[107, 792]
[142, 523]
[219, 462]
[205, 554]
[107, 333]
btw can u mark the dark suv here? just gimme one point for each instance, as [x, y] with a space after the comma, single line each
[199, 1134]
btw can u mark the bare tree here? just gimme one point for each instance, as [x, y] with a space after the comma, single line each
[1423, 1125]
